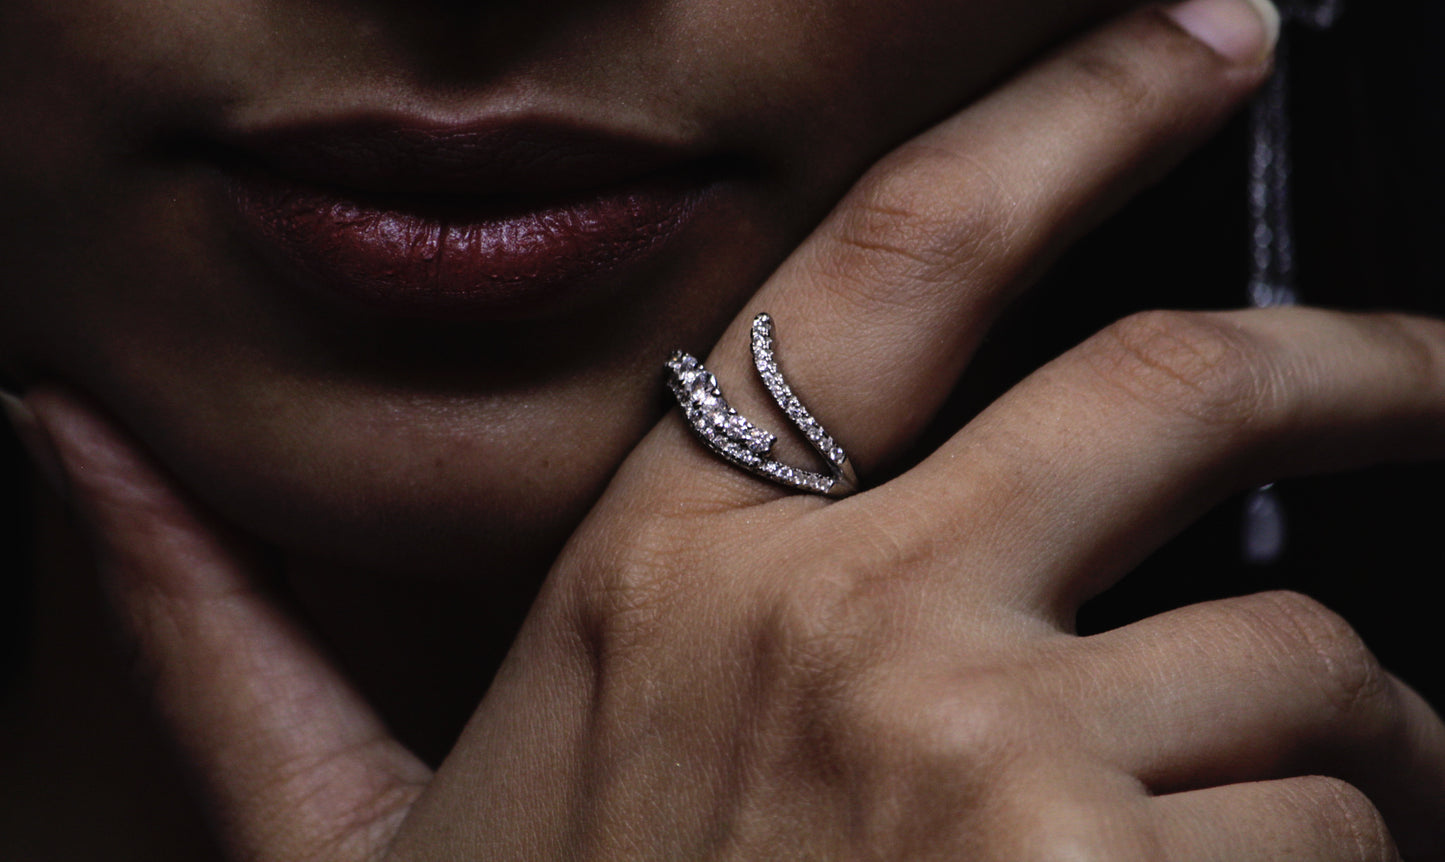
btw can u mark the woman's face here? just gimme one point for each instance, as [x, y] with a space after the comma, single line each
[391, 282]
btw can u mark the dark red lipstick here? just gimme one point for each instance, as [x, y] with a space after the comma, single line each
[474, 222]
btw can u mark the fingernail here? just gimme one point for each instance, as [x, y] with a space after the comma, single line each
[1242, 31]
[36, 442]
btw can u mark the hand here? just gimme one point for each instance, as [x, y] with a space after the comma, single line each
[716, 670]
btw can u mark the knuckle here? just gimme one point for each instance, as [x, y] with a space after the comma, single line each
[816, 630]
[842, 616]
[832, 671]
[1312, 634]
[919, 762]
[904, 735]
[959, 733]
[815, 652]
[1194, 365]
[983, 721]
[926, 216]
[1342, 815]
[622, 586]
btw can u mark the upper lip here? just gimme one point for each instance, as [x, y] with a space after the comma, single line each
[477, 159]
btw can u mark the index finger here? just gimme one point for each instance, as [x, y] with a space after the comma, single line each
[878, 312]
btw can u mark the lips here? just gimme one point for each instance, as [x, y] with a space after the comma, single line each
[472, 222]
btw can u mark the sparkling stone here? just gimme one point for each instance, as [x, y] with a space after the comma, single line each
[731, 435]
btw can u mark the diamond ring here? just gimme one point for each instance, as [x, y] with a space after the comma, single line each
[741, 443]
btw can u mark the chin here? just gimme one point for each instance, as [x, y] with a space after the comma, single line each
[404, 492]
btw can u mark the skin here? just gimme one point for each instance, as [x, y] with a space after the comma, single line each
[714, 669]
[219, 377]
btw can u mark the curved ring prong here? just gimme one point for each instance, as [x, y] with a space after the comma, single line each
[738, 441]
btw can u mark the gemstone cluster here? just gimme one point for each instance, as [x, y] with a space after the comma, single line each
[731, 436]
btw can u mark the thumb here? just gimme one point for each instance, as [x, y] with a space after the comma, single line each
[297, 765]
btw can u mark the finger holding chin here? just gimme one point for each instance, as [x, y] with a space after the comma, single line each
[878, 312]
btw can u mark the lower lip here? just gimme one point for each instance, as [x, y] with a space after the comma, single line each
[463, 260]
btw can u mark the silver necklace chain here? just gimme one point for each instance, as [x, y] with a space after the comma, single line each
[1272, 245]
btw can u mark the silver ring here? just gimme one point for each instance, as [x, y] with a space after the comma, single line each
[741, 443]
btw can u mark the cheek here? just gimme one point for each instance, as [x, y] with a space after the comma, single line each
[832, 85]
[122, 61]
[84, 89]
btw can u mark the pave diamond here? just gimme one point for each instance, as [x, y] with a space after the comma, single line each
[764, 358]
[731, 436]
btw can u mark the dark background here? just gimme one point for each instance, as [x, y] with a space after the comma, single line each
[1369, 115]
[1369, 147]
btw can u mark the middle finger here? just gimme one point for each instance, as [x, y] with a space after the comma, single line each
[880, 309]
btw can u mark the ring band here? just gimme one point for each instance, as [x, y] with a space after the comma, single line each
[741, 443]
